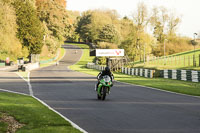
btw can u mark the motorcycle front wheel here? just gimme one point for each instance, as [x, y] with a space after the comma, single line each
[98, 97]
[104, 91]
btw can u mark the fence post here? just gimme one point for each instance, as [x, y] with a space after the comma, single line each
[175, 60]
[194, 63]
[172, 60]
[188, 60]
[184, 61]
[199, 59]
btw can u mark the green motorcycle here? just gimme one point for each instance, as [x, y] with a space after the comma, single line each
[104, 87]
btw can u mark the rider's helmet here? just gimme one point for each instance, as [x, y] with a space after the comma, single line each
[107, 69]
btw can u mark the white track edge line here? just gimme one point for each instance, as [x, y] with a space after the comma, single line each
[29, 85]
[31, 94]
[28, 82]
[146, 86]
[72, 123]
[4, 90]
[158, 89]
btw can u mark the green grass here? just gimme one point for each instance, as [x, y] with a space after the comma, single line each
[3, 126]
[36, 117]
[184, 87]
[62, 53]
[80, 66]
[182, 60]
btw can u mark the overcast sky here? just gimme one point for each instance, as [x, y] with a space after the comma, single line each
[188, 10]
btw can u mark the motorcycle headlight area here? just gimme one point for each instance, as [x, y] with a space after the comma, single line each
[107, 79]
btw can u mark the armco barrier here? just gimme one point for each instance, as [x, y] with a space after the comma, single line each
[32, 66]
[185, 75]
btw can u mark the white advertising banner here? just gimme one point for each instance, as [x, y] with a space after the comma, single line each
[109, 52]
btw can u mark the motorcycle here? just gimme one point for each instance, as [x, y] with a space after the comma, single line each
[104, 87]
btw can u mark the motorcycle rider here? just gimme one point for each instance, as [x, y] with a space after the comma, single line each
[103, 73]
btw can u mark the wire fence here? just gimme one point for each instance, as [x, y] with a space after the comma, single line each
[180, 61]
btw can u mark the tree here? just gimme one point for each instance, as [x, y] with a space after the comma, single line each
[83, 28]
[108, 33]
[141, 20]
[173, 23]
[126, 27]
[159, 20]
[73, 20]
[62, 3]
[140, 17]
[90, 23]
[30, 30]
[54, 17]
[9, 43]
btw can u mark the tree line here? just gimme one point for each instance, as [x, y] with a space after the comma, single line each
[35, 26]
[145, 32]
[32, 26]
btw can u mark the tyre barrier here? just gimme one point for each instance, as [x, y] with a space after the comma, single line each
[147, 73]
[185, 75]
[129, 71]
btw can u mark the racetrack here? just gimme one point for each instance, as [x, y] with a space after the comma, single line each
[128, 109]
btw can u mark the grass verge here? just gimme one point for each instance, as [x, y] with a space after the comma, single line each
[62, 53]
[183, 87]
[36, 117]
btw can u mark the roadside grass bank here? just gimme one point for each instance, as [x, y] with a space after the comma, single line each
[177, 86]
[62, 53]
[36, 117]
[183, 60]
[169, 67]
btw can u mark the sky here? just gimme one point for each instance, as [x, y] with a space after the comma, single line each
[188, 10]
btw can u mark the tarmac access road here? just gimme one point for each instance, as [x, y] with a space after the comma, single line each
[128, 109]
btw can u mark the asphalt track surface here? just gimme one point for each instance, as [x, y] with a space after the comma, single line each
[12, 82]
[128, 109]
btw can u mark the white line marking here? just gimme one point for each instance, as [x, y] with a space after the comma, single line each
[29, 85]
[158, 89]
[72, 123]
[28, 82]
[32, 95]
[21, 76]
[13, 92]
